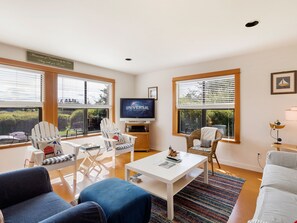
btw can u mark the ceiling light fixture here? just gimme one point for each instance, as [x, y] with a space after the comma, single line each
[252, 24]
[128, 59]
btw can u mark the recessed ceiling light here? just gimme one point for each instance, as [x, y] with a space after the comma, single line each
[252, 24]
[128, 59]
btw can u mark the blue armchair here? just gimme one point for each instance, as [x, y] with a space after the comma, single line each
[27, 196]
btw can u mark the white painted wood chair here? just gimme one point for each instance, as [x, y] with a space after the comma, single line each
[111, 144]
[45, 130]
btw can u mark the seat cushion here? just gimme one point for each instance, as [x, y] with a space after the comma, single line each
[124, 146]
[121, 201]
[280, 177]
[35, 209]
[58, 159]
[275, 205]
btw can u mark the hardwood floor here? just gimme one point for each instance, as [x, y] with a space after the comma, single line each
[242, 212]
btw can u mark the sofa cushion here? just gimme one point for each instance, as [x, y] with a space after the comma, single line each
[280, 177]
[274, 205]
[35, 209]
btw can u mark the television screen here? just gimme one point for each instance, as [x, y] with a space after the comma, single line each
[137, 108]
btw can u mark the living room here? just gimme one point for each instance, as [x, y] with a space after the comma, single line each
[256, 62]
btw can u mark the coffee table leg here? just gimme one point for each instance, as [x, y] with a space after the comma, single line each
[170, 207]
[206, 172]
[127, 174]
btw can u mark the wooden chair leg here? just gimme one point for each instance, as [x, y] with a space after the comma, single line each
[74, 173]
[211, 162]
[132, 156]
[215, 156]
[113, 160]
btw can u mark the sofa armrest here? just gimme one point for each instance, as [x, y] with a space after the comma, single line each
[281, 158]
[21, 185]
[87, 212]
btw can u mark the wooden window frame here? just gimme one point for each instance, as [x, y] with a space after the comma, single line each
[236, 73]
[50, 103]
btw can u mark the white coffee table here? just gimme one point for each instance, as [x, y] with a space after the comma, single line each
[163, 182]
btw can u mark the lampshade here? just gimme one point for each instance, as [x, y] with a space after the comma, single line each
[291, 114]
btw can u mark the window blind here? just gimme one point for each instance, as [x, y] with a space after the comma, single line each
[20, 87]
[207, 93]
[71, 91]
[80, 93]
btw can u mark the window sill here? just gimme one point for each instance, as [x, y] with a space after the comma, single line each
[10, 146]
[224, 140]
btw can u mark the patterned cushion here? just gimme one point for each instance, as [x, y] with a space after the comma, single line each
[124, 146]
[58, 159]
[117, 136]
[205, 143]
[50, 146]
[1, 217]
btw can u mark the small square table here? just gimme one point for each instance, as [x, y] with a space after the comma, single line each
[90, 161]
[164, 180]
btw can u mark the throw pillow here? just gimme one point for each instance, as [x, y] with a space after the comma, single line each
[1, 217]
[205, 143]
[50, 147]
[117, 136]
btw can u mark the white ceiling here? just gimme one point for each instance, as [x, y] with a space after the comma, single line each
[156, 34]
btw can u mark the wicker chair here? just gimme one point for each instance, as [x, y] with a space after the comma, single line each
[209, 152]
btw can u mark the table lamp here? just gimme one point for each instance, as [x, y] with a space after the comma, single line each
[291, 114]
[276, 126]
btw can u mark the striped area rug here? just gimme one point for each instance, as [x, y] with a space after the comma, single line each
[199, 202]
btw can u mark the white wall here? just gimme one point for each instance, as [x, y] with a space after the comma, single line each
[124, 87]
[258, 106]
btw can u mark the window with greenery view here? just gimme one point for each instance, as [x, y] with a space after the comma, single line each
[207, 100]
[20, 103]
[82, 105]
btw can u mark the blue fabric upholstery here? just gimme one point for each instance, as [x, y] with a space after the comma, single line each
[121, 201]
[35, 209]
[87, 212]
[21, 185]
[26, 196]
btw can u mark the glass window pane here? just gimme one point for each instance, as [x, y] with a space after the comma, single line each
[16, 124]
[222, 119]
[94, 118]
[97, 93]
[189, 120]
[71, 91]
[190, 93]
[70, 121]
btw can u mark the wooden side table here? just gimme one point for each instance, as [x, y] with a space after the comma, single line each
[278, 147]
[90, 161]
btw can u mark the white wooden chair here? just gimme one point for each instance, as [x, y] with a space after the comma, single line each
[107, 128]
[45, 130]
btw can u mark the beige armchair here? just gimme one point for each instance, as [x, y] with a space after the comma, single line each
[209, 151]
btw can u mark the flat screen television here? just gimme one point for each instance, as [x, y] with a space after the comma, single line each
[137, 109]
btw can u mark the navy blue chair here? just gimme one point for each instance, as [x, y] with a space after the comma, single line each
[27, 196]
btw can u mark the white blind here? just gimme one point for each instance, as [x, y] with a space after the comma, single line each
[20, 87]
[97, 93]
[71, 91]
[208, 93]
[80, 93]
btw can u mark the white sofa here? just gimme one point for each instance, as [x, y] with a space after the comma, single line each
[277, 200]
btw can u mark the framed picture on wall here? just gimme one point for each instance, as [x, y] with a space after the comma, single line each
[153, 92]
[283, 82]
